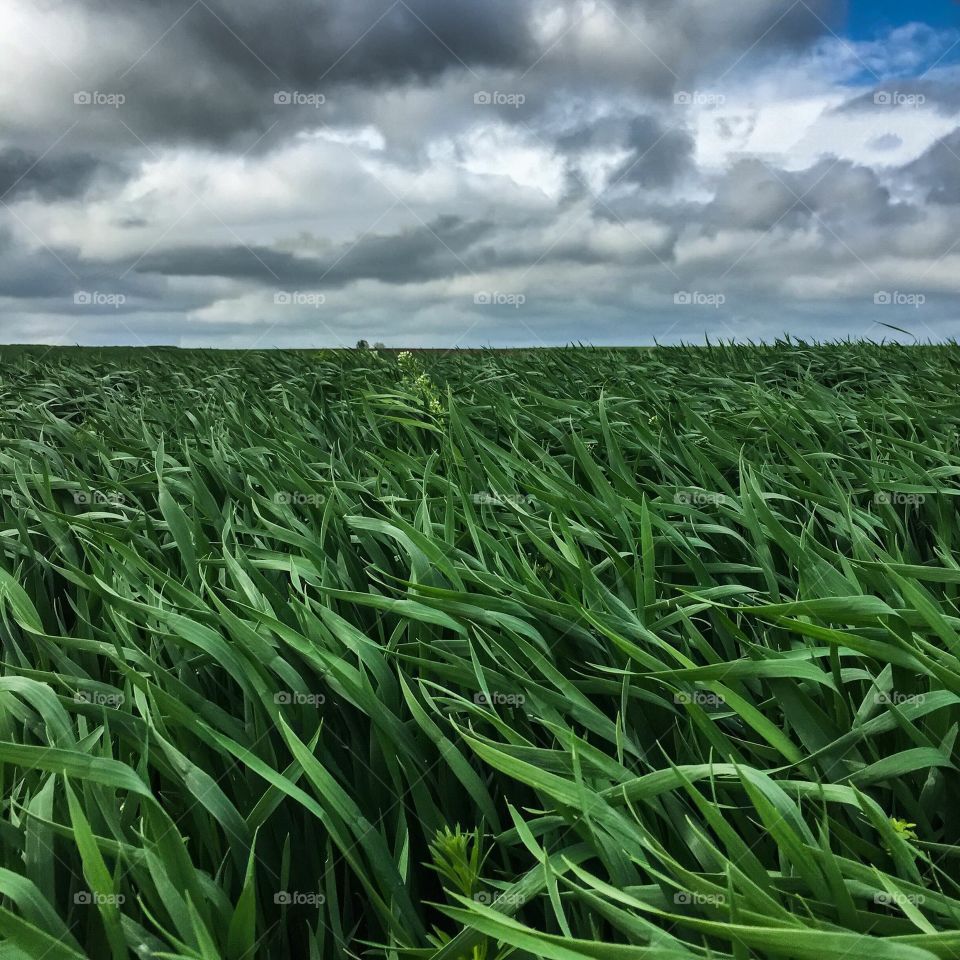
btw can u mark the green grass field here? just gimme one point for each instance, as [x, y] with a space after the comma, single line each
[574, 654]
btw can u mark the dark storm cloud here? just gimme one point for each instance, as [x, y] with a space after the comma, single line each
[417, 255]
[33, 275]
[49, 280]
[448, 247]
[368, 42]
[56, 177]
[214, 74]
[207, 72]
[412, 40]
[375, 42]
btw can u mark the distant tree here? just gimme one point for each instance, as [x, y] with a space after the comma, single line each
[363, 345]
[379, 346]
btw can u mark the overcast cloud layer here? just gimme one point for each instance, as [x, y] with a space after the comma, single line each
[455, 172]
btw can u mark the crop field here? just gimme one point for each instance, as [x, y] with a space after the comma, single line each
[574, 654]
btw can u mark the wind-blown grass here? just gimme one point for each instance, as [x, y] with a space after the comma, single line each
[567, 654]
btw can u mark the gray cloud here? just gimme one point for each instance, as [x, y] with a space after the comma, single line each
[418, 254]
[659, 155]
[212, 77]
[937, 172]
[369, 42]
[886, 141]
[755, 195]
[207, 73]
[61, 176]
[939, 90]
[598, 197]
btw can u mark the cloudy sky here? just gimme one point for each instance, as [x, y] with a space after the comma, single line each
[477, 172]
